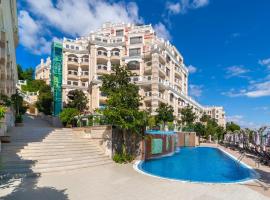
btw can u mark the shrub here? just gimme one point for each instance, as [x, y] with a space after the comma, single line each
[18, 118]
[2, 112]
[123, 157]
[67, 115]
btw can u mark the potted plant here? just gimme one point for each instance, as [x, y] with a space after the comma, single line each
[18, 120]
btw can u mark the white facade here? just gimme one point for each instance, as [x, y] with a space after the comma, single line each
[217, 113]
[42, 71]
[159, 67]
[8, 43]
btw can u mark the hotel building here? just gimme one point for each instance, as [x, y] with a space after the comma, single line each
[159, 67]
[8, 43]
[42, 71]
[217, 113]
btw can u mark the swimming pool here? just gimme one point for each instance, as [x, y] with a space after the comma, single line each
[198, 164]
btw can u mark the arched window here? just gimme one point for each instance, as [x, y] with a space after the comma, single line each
[133, 65]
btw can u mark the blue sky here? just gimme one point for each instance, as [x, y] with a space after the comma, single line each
[225, 43]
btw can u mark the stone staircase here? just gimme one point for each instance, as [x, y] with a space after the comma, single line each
[60, 150]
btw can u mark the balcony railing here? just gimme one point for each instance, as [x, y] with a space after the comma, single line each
[102, 67]
[73, 72]
[115, 53]
[102, 53]
[148, 94]
[84, 73]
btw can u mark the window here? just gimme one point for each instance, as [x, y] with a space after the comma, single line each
[133, 65]
[67, 46]
[104, 40]
[136, 40]
[72, 47]
[135, 52]
[119, 32]
[75, 83]
[69, 82]
[167, 72]
[77, 48]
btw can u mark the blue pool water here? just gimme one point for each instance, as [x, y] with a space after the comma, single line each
[198, 164]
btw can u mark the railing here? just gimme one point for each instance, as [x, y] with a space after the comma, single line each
[161, 95]
[72, 72]
[148, 94]
[102, 67]
[102, 53]
[162, 67]
[84, 73]
[115, 53]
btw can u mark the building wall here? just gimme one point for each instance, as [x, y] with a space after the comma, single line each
[8, 43]
[216, 113]
[42, 71]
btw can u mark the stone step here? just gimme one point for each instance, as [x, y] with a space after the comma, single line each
[38, 165]
[16, 158]
[18, 161]
[33, 171]
[62, 149]
[36, 156]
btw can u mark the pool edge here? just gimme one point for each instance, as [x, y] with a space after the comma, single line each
[137, 163]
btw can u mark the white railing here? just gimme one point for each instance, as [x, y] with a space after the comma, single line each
[72, 72]
[148, 94]
[102, 67]
[84, 73]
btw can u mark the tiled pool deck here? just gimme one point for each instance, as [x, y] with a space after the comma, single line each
[121, 182]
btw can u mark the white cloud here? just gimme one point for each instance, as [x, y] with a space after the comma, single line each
[192, 69]
[255, 90]
[240, 120]
[184, 5]
[73, 17]
[259, 90]
[161, 31]
[173, 8]
[265, 62]
[236, 71]
[199, 3]
[195, 90]
[30, 34]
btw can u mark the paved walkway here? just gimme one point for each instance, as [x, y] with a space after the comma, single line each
[119, 182]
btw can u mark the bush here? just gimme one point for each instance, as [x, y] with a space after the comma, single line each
[67, 115]
[123, 157]
[18, 118]
[2, 112]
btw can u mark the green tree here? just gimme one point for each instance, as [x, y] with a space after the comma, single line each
[231, 126]
[151, 122]
[188, 116]
[26, 74]
[33, 85]
[123, 103]
[164, 113]
[45, 99]
[2, 112]
[67, 115]
[200, 129]
[77, 99]
[204, 117]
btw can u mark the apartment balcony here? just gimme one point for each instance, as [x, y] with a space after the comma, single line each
[2, 39]
[162, 97]
[73, 61]
[115, 55]
[178, 71]
[162, 69]
[141, 80]
[85, 62]
[73, 74]
[102, 97]
[147, 96]
[2, 56]
[96, 79]
[84, 75]
[148, 67]
[84, 84]
[102, 55]
[102, 69]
